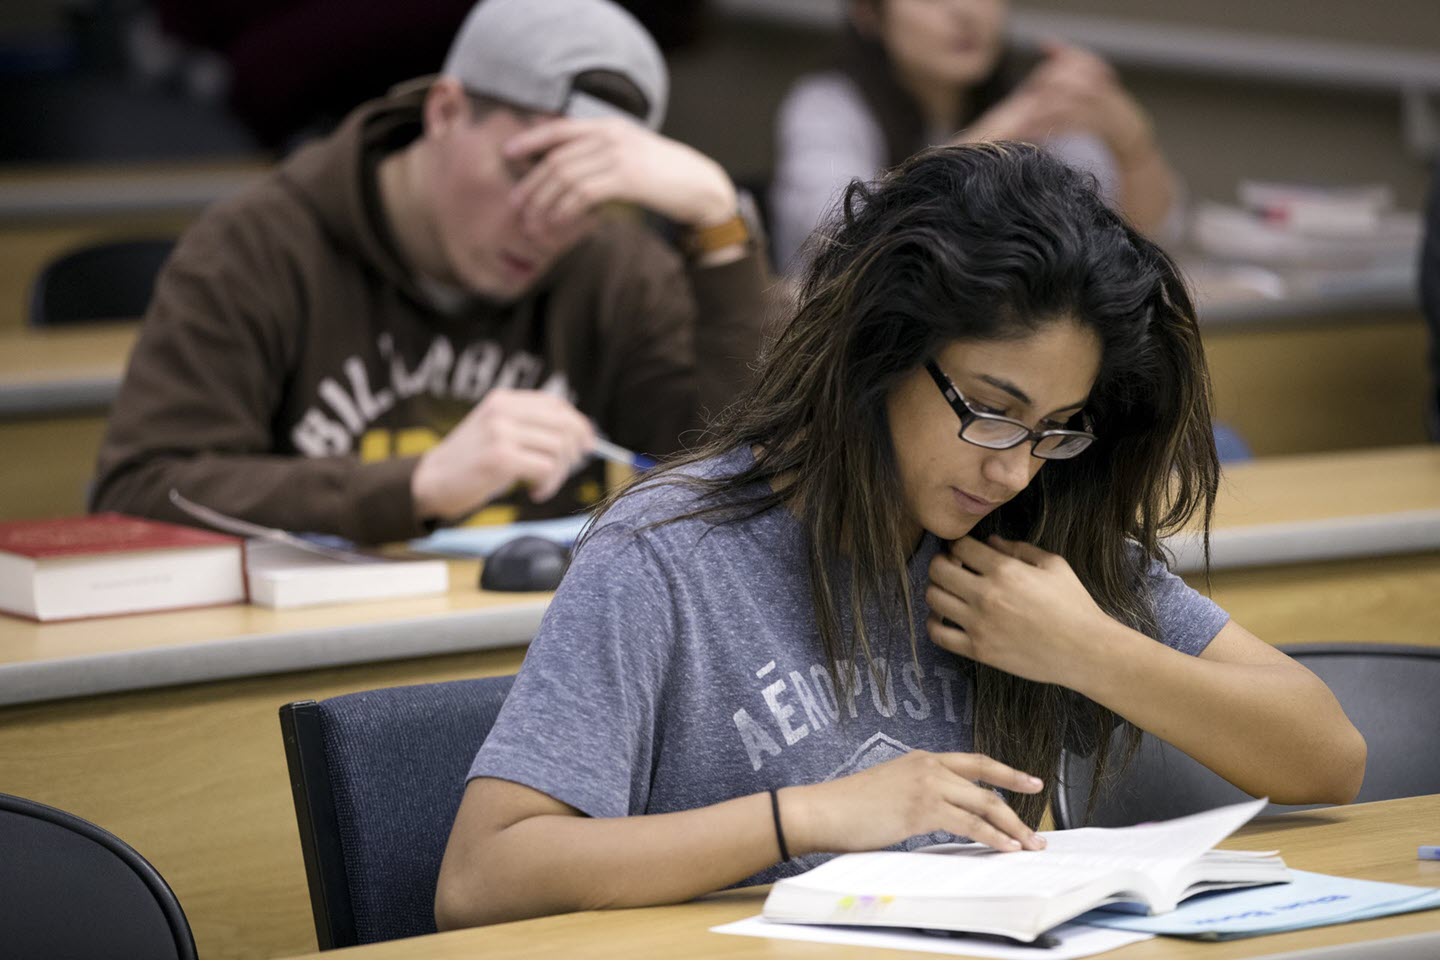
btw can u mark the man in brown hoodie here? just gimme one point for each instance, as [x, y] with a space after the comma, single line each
[431, 310]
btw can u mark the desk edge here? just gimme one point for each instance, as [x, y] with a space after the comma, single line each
[256, 655]
[1336, 538]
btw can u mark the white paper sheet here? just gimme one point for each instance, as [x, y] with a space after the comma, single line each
[1076, 940]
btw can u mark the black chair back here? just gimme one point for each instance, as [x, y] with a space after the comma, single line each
[107, 281]
[1388, 691]
[377, 778]
[70, 889]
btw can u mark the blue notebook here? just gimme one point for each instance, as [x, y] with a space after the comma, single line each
[1308, 901]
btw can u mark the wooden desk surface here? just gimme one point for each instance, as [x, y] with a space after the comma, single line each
[1311, 487]
[1311, 507]
[46, 661]
[67, 659]
[1374, 841]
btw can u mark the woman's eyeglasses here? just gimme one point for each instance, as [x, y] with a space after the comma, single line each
[1001, 433]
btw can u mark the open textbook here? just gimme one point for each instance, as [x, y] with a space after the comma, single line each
[1022, 894]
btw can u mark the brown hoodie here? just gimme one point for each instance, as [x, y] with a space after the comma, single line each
[290, 370]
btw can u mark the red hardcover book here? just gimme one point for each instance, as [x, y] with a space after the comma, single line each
[103, 564]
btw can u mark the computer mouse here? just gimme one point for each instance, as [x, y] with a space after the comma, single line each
[527, 563]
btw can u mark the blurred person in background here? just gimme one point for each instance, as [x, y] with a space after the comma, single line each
[437, 307]
[917, 73]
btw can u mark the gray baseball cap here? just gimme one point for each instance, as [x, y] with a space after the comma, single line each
[532, 53]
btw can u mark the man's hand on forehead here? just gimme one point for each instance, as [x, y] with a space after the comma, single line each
[580, 164]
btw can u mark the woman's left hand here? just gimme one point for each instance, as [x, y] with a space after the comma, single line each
[1014, 607]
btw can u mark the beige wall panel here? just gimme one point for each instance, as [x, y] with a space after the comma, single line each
[1326, 386]
[48, 464]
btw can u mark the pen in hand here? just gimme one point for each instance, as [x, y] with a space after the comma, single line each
[619, 455]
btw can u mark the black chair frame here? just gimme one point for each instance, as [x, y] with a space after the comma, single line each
[300, 728]
[164, 897]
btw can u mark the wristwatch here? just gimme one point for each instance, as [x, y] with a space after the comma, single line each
[743, 228]
[707, 240]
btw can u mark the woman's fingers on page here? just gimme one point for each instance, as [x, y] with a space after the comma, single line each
[976, 828]
[978, 767]
[982, 816]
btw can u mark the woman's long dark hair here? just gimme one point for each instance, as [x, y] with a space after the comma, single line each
[976, 243]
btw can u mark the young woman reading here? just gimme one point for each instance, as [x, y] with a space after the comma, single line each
[920, 558]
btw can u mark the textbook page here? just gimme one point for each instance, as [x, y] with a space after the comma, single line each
[972, 887]
[1160, 850]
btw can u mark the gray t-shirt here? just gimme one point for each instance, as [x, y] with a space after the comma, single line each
[681, 666]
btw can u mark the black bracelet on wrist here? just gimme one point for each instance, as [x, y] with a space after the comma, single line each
[779, 831]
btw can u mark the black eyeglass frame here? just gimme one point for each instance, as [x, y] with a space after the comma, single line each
[968, 415]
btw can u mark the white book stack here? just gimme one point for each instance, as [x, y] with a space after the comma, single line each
[283, 576]
[1306, 226]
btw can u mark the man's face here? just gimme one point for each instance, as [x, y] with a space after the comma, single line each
[481, 232]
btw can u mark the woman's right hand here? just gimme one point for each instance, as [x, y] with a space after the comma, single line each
[918, 793]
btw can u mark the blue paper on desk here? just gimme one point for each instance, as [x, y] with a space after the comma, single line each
[481, 541]
[1308, 901]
